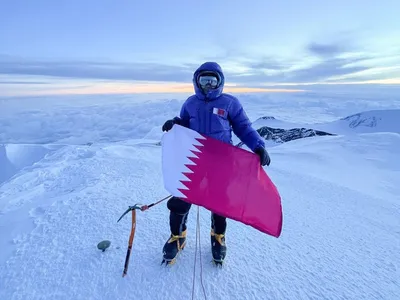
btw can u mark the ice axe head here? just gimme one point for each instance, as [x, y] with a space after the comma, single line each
[130, 208]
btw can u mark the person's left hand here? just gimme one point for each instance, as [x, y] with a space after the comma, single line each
[264, 156]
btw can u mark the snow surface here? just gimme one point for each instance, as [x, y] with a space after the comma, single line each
[70, 166]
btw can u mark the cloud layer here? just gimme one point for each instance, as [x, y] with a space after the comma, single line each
[322, 63]
[318, 63]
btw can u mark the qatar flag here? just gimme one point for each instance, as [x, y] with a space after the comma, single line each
[221, 178]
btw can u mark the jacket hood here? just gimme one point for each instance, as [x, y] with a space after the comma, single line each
[209, 66]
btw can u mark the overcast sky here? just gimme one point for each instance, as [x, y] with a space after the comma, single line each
[78, 45]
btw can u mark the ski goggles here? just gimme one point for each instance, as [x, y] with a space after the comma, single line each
[210, 80]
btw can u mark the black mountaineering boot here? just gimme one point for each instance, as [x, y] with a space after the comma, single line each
[177, 240]
[218, 247]
[172, 247]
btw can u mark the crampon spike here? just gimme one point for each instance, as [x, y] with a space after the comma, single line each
[168, 262]
[218, 263]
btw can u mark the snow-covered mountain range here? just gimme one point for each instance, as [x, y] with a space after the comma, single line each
[276, 131]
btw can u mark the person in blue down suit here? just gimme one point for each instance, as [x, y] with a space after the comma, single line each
[215, 114]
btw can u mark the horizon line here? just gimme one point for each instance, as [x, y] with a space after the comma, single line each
[118, 87]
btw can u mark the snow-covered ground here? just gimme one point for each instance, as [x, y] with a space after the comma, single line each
[70, 166]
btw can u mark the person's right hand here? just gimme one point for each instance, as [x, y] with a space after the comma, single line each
[168, 125]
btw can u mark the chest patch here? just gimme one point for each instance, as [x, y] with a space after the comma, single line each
[220, 112]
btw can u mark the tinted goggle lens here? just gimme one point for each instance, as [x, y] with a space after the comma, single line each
[211, 80]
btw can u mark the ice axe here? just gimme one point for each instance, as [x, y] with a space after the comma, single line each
[132, 235]
[133, 228]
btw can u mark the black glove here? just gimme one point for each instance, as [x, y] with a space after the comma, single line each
[264, 156]
[168, 125]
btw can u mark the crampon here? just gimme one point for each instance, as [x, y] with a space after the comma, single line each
[173, 247]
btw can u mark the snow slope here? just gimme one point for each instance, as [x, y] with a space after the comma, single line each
[276, 131]
[370, 121]
[363, 122]
[340, 238]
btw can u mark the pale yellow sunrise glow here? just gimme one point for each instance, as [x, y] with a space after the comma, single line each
[143, 88]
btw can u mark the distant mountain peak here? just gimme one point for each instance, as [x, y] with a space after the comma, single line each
[361, 119]
[280, 136]
[278, 131]
[267, 118]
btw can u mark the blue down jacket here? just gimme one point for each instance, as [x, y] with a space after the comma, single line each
[217, 114]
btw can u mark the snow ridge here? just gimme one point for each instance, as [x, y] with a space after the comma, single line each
[373, 121]
[359, 120]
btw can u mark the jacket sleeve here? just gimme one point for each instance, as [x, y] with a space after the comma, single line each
[183, 118]
[241, 126]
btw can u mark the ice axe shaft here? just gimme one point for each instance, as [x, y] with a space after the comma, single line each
[132, 235]
[133, 228]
